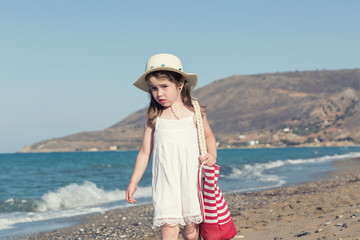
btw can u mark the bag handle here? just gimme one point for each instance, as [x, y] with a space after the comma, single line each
[203, 151]
[201, 197]
[200, 128]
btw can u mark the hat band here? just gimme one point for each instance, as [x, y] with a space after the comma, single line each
[163, 65]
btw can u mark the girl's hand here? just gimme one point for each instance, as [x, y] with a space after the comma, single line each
[130, 192]
[209, 158]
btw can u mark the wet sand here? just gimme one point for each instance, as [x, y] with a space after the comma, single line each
[324, 209]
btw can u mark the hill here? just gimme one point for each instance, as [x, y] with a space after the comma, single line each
[265, 110]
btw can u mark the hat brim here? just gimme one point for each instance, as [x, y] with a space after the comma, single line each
[190, 77]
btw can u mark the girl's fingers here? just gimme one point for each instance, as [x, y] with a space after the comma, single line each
[130, 199]
[129, 196]
[209, 160]
[209, 163]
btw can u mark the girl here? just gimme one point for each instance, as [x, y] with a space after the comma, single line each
[170, 136]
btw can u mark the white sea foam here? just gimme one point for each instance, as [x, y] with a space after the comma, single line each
[257, 169]
[71, 200]
[258, 176]
[75, 195]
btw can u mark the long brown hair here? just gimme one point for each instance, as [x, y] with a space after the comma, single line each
[155, 109]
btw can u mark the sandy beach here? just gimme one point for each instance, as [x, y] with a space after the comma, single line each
[324, 209]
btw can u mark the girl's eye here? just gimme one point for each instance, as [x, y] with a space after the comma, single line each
[165, 86]
[153, 88]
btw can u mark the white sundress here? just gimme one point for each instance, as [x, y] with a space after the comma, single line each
[175, 168]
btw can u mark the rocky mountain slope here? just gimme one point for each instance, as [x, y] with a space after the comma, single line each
[265, 110]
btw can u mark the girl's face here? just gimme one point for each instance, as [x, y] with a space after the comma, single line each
[165, 92]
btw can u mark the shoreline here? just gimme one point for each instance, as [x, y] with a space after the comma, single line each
[256, 146]
[314, 209]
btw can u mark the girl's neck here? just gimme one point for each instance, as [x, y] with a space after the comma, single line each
[178, 104]
[177, 110]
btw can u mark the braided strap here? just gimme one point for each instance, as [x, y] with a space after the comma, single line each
[200, 128]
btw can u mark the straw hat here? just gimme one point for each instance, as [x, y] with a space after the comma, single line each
[165, 62]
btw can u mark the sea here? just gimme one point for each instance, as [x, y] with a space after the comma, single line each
[44, 191]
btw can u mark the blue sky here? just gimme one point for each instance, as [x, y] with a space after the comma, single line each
[68, 66]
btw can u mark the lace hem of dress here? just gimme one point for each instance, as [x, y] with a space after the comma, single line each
[177, 221]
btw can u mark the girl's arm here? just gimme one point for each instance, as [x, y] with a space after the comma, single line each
[142, 161]
[210, 157]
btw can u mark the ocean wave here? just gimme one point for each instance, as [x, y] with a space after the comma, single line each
[75, 196]
[71, 200]
[71, 196]
[272, 174]
[257, 170]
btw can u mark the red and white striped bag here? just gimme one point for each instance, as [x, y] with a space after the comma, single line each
[217, 222]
